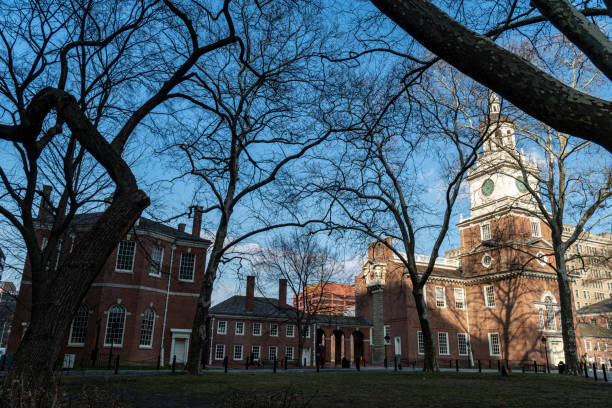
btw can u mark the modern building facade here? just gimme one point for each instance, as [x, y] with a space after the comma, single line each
[141, 305]
[327, 298]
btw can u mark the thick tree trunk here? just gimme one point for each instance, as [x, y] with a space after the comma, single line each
[30, 377]
[200, 331]
[430, 363]
[567, 319]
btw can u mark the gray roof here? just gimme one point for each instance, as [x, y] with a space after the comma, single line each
[593, 330]
[268, 308]
[601, 307]
[144, 224]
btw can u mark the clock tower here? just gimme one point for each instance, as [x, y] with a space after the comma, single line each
[496, 182]
[503, 214]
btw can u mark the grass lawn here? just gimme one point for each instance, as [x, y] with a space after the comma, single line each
[340, 389]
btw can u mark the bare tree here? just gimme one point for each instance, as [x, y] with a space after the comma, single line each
[78, 79]
[467, 47]
[308, 267]
[378, 189]
[257, 116]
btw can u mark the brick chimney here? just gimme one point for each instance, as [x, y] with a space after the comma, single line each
[181, 227]
[250, 293]
[197, 221]
[45, 203]
[282, 293]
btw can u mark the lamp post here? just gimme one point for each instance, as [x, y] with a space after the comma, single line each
[387, 339]
[546, 352]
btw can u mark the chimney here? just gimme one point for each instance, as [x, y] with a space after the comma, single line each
[282, 293]
[182, 226]
[45, 202]
[250, 293]
[197, 221]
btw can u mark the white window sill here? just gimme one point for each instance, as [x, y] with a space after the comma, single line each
[114, 346]
[222, 334]
[81, 345]
[257, 335]
[124, 271]
[186, 280]
[145, 347]
[155, 276]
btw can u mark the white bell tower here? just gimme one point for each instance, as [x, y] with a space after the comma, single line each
[496, 182]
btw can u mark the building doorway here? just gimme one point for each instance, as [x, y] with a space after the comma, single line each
[179, 346]
[358, 346]
[556, 351]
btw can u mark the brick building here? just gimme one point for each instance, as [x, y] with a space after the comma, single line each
[261, 329]
[494, 298]
[590, 258]
[327, 298]
[143, 301]
[8, 301]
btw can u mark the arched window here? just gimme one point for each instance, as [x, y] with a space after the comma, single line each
[115, 323]
[551, 323]
[146, 332]
[78, 330]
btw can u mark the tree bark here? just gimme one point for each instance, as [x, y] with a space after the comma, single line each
[568, 330]
[430, 363]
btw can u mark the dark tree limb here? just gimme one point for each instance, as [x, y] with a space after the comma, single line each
[526, 86]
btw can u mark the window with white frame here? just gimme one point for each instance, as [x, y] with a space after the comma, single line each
[420, 343]
[78, 329]
[221, 327]
[289, 353]
[290, 330]
[157, 254]
[272, 353]
[125, 256]
[443, 343]
[187, 267]
[256, 352]
[459, 298]
[589, 346]
[542, 322]
[489, 292]
[462, 344]
[494, 344]
[115, 324]
[274, 329]
[551, 323]
[440, 296]
[535, 229]
[239, 328]
[307, 331]
[485, 232]
[387, 331]
[146, 331]
[256, 329]
[220, 351]
[238, 352]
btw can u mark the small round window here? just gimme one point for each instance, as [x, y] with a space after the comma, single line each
[542, 259]
[486, 260]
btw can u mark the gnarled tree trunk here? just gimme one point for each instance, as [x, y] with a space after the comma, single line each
[430, 363]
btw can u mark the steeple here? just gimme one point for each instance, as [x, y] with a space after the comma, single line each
[494, 103]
